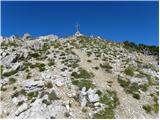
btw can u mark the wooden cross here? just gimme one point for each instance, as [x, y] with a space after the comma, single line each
[77, 27]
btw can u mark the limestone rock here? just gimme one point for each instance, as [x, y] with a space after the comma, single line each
[60, 83]
[92, 96]
[67, 104]
[33, 85]
[83, 101]
[83, 91]
[9, 59]
[22, 109]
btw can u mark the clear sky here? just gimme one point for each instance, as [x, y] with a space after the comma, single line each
[117, 21]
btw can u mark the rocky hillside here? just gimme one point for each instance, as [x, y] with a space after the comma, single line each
[77, 77]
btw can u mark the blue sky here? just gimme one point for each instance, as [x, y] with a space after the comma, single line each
[117, 21]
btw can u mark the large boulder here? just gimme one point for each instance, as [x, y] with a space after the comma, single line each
[92, 96]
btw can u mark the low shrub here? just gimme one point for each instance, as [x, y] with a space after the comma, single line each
[45, 101]
[32, 95]
[136, 96]
[52, 96]
[83, 83]
[51, 63]
[132, 88]
[40, 66]
[12, 80]
[89, 61]
[106, 66]
[34, 55]
[147, 108]
[3, 88]
[124, 83]
[15, 94]
[49, 84]
[20, 103]
[28, 76]
[129, 71]
[107, 113]
[22, 92]
[83, 74]
[106, 99]
[66, 114]
[97, 68]
[14, 88]
[144, 87]
[7, 74]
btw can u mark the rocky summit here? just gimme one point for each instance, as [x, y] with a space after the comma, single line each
[78, 77]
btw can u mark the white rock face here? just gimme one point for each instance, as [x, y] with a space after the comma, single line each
[32, 85]
[37, 110]
[9, 59]
[40, 110]
[83, 92]
[44, 76]
[60, 83]
[88, 96]
[66, 103]
[15, 100]
[35, 44]
[82, 97]
[13, 67]
[4, 81]
[18, 99]
[49, 37]
[22, 109]
[17, 66]
[83, 101]
[92, 96]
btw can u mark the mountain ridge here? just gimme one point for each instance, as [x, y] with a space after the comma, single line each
[78, 77]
